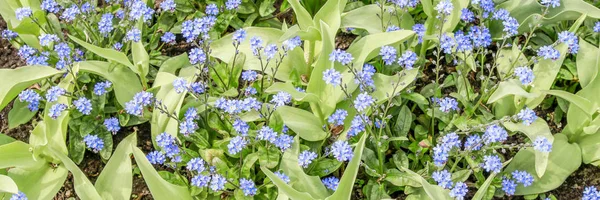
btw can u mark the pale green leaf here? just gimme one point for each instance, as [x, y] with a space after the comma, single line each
[483, 189]
[8, 185]
[588, 62]
[434, 192]
[506, 88]
[299, 180]
[39, 182]
[108, 53]
[115, 180]
[16, 80]
[344, 189]
[83, 187]
[289, 88]
[539, 128]
[160, 188]
[124, 82]
[302, 122]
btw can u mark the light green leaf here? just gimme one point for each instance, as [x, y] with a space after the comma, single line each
[160, 189]
[285, 188]
[506, 88]
[344, 189]
[303, 17]
[434, 192]
[316, 85]
[390, 86]
[564, 159]
[16, 80]
[289, 88]
[172, 64]
[483, 189]
[5, 139]
[83, 187]
[39, 182]
[141, 59]
[115, 180]
[299, 180]
[124, 82]
[19, 114]
[539, 128]
[584, 104]
[399, 178]
[302, 122]
[367, 17]
[108, 53]
[588, 62]
[590, 148]
[8, 185]
[330, 14]
[17, 154]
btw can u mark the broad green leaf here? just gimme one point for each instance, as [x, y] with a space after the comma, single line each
[141, 60]
[124, 82]
[115, 180]
[107, 53]
[452, 20]
[41, 182]
[505, 60]
[588, 62]
[399, 178]
[403, 122]
[344, 189]
[83, 187]
[289, 88]
[172, 64]
[56, 129]
[5, 139]
[8, 185]
[539, 128]
[483, 189]
[506, 88]
[19, 114]
[285, 188]
[330, 14]
[367, 17]
[302, 122]
[299, 180]
[390, 86]
[160, 189]
[564, 159]
[16, 154]
[434, 192]
[16, 80]
[590, 148]
[316, 85]
[266, 7]
[582, 103]
[303, 17]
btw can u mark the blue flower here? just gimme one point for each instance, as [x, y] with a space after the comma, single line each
[197, 56]
[267, 133]
[164, 139]
[331, 182]
[62, 50]
[270, 51]
[487, 6]
[191, 114]
[134, 108]
[19, 196]
[408, 59]
[508, 186]
[23, 12]
[459, 191]
[551, 3]
[358, 125]
[196, 164]
[597, 27]
[388, 54]
[365, 77]
[338, 117]
[283, 177]
[168, 5]
[341, 56]
[451, 140]
[31, 97]
[83, 105]
[187, 29]
[523, 177]
[525, 75]
[168, 37]
[494, 133]
[217, 182]
[8, 34]
[467, 15]
[332, 77]
[249, 91]
[47, 39]
[473, 143]
[100, 87]
[291, 43]
[143, 97]
[156, 157]
[212, 9]
[187, 127]
[200, 180]
[440, 155]
[447, 43]
[463, 42]
[342, 151]
[248, 187]
[232, 4]
[542, 144]
[137, 9]
[238, 36]
[50, 6]
[590, 193]
[481, 36]
[180, 85]
[571, 40]
[406, 3]
[70, 13]
[94, 143]
[510, 27]
[249, 75]
[501, 14]
[236, 144]
[112, 125]
[117, 46]
[419, 29]
[391, 28]
[134, 35]
[198, 87]
[548, 52]
[26, 51]
[306, 157]
[447, 104]
[120, 14]
[256, 44]
[56, 110]
[363, 101]
[527, 116]
[281, 98]
[54, 92]
[283, 141]
[443, 178]
[444, 7]
[241, 127]
[41, 59]
[87, 7]
[492, 163]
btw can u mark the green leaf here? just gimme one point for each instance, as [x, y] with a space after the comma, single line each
[344, 189]
[506, 88]
[316, 85]
[399, 178]
[16, 154]
[124, 82]
[433, 191]
[41, 181]
[539, 128]
[172, 64]
[266, 8]
[107, 53]
[325, 167]
[391, 86]
[5, 139]
[581, 102]
[141, 60]
[8, 185]
[290, 89]
[19, 114]
[83, 187]
[268, 157]
[564, 159]
[483, 189]
[115, 180]
[368, 18]
[330, 14]
[590, 148]
[285, 188]
[303, 17]
[16, 80]
[588, 62]
[302, 122]
[159, 188]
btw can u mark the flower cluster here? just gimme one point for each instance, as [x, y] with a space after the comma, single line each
[136, 105]
[444, 179]
[509, 185]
